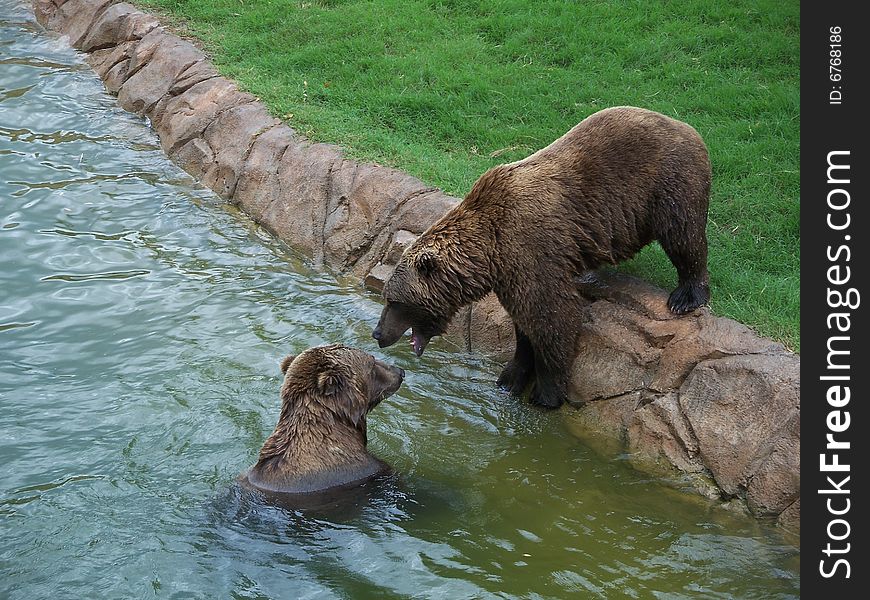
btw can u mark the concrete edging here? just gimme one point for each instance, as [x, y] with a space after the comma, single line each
[701, 395]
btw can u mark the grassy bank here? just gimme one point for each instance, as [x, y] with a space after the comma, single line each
[446, 89]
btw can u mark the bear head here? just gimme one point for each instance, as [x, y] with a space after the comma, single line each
[340, 380]
[448, 266]
[320, 439]
[421, 294]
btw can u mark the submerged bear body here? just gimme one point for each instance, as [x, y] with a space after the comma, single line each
[619, 180]
[319, 443]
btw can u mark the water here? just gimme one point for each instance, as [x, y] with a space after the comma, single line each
[141, 325]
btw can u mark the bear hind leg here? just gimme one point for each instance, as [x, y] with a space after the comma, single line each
[520, 370]
[688, 253]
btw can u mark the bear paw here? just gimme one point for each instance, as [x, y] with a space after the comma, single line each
[688, 297]
[547, 396]
[514, 378]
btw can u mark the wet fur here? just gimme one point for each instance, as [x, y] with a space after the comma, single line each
[320, 440]
[619, 180]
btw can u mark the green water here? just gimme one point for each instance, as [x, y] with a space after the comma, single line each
[141, 325]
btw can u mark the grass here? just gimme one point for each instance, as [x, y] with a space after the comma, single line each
[445, 89]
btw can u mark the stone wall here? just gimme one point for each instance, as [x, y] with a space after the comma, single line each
[699, 395]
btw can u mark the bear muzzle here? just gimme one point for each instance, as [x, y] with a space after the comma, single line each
[392, 325]
[396, 319]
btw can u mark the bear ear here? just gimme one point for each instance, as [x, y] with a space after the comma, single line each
[286, 362]
[328, 382]
[426, 262]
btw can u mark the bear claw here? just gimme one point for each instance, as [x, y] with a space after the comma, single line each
[687, 298]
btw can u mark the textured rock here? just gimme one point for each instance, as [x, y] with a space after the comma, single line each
[298, 212]
[196, 73]
[745, 413]
[231, 135]
[423, 210]
[790, 518]
[775, 485]
[697, 395]
[377, 276]
[117, 66]
[712, 397]
[612, 356]
[185, 117]
[209, 128]
[117, 24]
[658, 430]
[105, 59]
[401, 240]
[75, 17]
[491, 329]
[44, 9]
[259, 187]
[362, 201]
[155, 65]
[189, 77]
[457, 335]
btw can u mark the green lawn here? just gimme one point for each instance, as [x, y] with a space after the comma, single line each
[446, 89]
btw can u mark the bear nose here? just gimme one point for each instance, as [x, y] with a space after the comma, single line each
[401, 372]
[377, 333]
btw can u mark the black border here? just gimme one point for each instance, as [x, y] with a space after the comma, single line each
[827, 127]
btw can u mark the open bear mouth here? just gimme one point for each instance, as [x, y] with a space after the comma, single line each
[419, 341]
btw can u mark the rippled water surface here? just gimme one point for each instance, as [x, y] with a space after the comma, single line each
[141, 325]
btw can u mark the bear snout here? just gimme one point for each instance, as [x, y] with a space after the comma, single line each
[391, 326]
[382, 340]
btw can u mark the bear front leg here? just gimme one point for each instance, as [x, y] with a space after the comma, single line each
[550, 390]
[551, 383]
[549, 310]
[520, 370]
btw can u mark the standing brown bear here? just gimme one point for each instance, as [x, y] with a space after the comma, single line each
[527, 230]
[320, 440]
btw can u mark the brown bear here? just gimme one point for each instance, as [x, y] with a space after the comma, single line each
[320, 440]
[531, 230]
